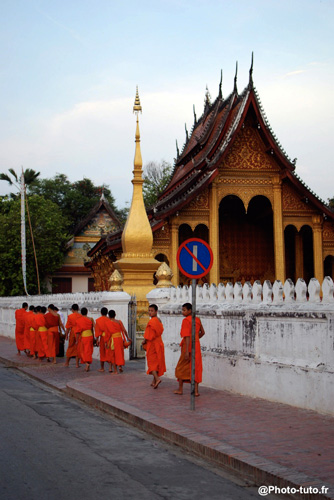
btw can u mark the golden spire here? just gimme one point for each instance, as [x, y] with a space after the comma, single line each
[137, 237]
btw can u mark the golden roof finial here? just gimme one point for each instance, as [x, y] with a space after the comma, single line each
[137, 105]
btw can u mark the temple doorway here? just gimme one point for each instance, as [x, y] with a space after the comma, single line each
[329, 266]
[246, 243]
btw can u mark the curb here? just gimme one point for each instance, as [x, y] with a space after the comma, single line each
[254, 468]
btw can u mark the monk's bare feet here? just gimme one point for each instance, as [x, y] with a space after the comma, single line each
[152, 385]
[87, 368]
[110, 371]
[156, 385]
[48, 360]
[26, 353]
[120, 369]
[54, 362]
[197, 394]
[178, 392]
[101, 370]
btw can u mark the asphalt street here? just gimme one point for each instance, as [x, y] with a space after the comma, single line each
[53, 447]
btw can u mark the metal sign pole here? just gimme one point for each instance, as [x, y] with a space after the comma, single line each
[193, 332]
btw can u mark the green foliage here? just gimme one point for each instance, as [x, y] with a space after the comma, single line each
[75, 199]
[156, 177]
[49, 228]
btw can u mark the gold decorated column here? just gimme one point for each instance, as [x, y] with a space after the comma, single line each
[279, 248]
[317, 248]
[174, 249]
[214, 233]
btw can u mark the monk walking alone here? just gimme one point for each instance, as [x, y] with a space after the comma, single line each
[154, 346]
[183, 368]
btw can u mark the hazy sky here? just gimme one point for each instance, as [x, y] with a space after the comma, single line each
[69, 70]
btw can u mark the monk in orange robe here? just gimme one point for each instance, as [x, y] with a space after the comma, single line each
[33, 328]
[42, 333]
[52, 322]
[126, 340]
[27, 344]
[154, 346]
[116, 344]
[183, 368]
[85, 327]
[72, 336]
[103, 336]
[20, 316]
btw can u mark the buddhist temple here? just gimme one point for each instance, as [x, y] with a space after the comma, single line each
[74, 276]
[235, 187]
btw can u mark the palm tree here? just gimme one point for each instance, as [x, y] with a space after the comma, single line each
[30, 177]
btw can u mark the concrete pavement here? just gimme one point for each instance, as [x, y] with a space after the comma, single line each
[268, 443]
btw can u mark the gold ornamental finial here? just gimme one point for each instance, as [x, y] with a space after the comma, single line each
[137, 105]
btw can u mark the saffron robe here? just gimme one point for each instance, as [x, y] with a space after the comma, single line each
[27, 345]
[20, 316]
[31, 325]
[52, 323]
[72, 350]
[155, 350]
[117, 353]
[102, 329]
[84, 326]
[42, 335]
[183, 367]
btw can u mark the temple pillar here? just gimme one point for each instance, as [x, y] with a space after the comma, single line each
[174, 249]
[279, 249]
[214, 233]
[317, 248]
[299, 256]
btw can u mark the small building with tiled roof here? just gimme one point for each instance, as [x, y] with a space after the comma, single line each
[74, 276]
[234, 186]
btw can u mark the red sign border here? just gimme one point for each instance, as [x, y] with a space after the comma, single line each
[197, 276]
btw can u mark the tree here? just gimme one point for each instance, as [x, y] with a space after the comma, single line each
[156, 177]
[30, 177]
[50, 235]
[75, 199]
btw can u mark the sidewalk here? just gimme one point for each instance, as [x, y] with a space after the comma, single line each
[268, 443]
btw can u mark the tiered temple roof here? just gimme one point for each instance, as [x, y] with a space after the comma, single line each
[211, 138]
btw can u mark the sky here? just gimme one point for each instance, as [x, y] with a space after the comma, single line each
[69, 70]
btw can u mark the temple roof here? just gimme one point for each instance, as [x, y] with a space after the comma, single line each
[209, 141]
[102, 204]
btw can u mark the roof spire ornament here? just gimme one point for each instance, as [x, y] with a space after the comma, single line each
[195, 118]
[207, 99]
[187, 135]
[137, 106]
[220, 94]
[235, 89]
[250, 83]
[177, 150]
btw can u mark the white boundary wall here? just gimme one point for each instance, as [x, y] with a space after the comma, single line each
[94, 301]
[274, 342]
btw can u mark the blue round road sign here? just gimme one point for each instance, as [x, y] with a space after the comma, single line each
[194, 258]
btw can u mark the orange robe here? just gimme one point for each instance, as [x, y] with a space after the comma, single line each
[117, 353]
[42, 335]
[72, 350]
[102, 329]
[20, 316]
[183, 368]
[155, 350]
[27, 344]
[84, 326]
[52, 323]
[32, 327]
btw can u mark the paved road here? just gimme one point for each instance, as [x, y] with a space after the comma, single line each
[55, 448]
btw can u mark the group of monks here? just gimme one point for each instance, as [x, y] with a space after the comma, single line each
[38, 331]
[155, 352]
[38, 334]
